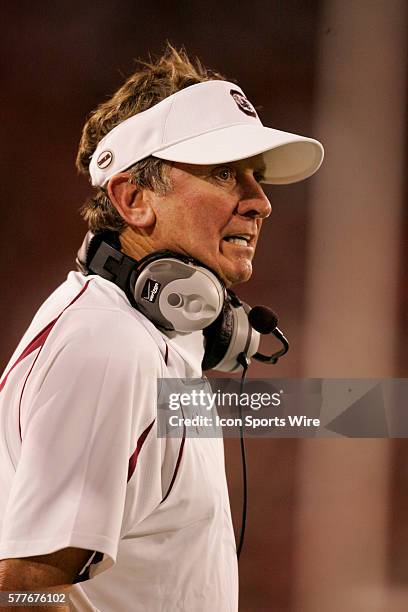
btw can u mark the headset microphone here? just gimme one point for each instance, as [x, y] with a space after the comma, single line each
[265, 321]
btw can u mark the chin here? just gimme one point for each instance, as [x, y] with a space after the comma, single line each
[232, 273]
[235, 277]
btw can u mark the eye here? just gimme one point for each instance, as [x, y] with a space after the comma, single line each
[225, 173]
[259, 176]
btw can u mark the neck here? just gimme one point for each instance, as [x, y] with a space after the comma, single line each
[135, 244]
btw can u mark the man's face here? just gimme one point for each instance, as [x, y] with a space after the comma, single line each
[214, 214]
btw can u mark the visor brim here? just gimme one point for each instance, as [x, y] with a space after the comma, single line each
[288, 158]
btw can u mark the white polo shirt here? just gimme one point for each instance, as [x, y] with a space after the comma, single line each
[81, 464]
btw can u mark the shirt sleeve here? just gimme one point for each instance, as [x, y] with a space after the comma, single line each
[92, 399]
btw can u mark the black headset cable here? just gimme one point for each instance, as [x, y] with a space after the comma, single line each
[243, 360]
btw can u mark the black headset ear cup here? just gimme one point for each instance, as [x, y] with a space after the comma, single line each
[218, 337]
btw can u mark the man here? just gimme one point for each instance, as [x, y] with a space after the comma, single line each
[90, 494]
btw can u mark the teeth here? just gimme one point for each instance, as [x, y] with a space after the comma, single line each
[236, 240]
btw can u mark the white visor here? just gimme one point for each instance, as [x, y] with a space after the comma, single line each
[207, 123]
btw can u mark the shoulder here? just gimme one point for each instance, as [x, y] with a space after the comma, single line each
[95, 322]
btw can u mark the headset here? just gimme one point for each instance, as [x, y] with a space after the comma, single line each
[177, 293]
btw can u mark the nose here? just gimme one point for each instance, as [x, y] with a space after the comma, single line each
[253, 201]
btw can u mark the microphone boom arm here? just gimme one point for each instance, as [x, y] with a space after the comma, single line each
[275, 356]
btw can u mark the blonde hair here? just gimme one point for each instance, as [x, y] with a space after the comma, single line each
[154, 81]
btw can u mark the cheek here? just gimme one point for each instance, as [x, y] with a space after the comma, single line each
[202, 220]
[195, 219]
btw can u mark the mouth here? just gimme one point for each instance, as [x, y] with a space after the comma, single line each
[243, 240]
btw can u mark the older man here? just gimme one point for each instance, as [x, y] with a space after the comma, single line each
[90, 494]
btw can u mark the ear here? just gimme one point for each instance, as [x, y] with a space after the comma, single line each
[130, 201]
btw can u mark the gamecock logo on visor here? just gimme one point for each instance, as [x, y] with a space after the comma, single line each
[243, 103]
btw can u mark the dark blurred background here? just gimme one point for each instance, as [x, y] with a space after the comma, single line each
[327, 528]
